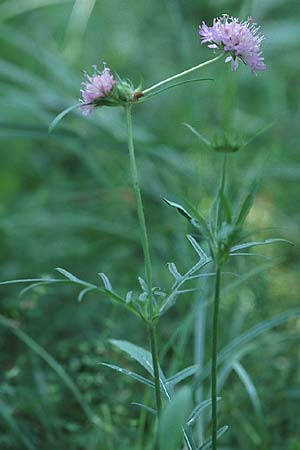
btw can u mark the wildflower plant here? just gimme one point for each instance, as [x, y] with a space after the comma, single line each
[215, 239]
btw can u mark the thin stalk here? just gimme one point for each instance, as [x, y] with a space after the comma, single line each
[154, 352]
[221, 192]
[181, 74]
[146, 251]
[214, 357]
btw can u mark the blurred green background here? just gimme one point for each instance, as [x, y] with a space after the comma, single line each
[66, 201]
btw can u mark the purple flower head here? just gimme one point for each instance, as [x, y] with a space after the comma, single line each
[95, 87]
[240, 41]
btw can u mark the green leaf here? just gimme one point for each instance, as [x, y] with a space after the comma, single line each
[198, 410]
[250, 388]
[83, 293]
[61, 115]
[147, 408]
[179, 208]
[182, 375]
[246, 205]
[8, 417]
[73, 278]
[55, 366]
[174, 271]
[226, 207]
[192, 80]
[141, 355]
[247, 337]
[30, 280]
[202, 255]
[207, 444]
[41, 283]
[255, 244]
[133, 375]
[173, 418]
[106, 282]
[196, 133]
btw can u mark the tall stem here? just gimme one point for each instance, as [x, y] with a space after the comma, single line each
[214, 357]
[181, 74]
[146, 251]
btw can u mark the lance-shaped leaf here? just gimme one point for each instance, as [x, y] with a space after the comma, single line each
[73, 278]
[55, 366]
[182, 375]
[129, 373]
[61, 115]
[143, 284]
[246, 245]
[184, 213]
[83, 293]
[147, 408]
[197, 134]
[172, 420]
[246, 338]
[197, 248]
[174, 271]
[208, 444]
[106, 281]
[198, 410]
[250, 388]
[246, 205]
[141, 355]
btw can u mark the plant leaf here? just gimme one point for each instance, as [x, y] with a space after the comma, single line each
[147, 408]
[207, 444]
[255, 244]
[250, 387]
[192, 80]
[55, 366]
[73, 278]
[197, 248]
[173, 270]
[246, 204]
[141, 355]
[106, 282]
[182, 375]
[133, 375]
[198, 410]
[83, 293]
[196, 133]
[173, 417]
[61, 115]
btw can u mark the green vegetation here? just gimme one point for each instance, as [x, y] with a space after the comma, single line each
[66, 201]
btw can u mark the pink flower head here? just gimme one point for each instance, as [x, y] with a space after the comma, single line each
[240, 41]
[95, 87]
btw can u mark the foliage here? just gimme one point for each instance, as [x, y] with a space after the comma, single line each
[66, 201]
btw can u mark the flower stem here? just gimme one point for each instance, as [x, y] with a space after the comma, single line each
[181, 74]
[214, 357]
[147, 258]
[153, 345]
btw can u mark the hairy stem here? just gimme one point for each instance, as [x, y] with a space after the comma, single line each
[214, 357]
[146, 251]
[181, 74]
